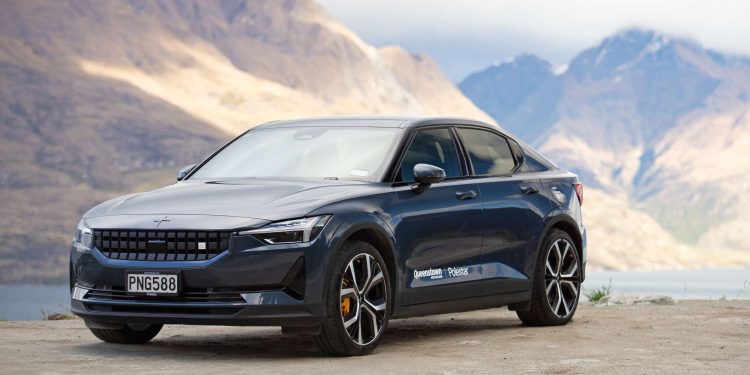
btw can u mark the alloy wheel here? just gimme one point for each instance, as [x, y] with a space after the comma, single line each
[562, 278]
[363, 299]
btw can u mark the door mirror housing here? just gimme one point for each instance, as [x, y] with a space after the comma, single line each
[426, 175]
[185, 171]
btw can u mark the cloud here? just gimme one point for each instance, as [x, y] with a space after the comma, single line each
[469, 34]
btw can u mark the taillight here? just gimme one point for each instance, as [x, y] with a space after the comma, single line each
[579, 192]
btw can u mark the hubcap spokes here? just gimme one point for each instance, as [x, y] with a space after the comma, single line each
[562, 278]
[363, 299]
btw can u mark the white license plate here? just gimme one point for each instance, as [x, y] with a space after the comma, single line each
[153, 284]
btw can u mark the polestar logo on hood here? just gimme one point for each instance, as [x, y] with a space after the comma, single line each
[159, 221]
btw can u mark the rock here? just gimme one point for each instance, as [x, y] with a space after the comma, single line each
[621, 299]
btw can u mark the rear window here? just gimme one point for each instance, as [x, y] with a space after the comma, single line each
[489, 152]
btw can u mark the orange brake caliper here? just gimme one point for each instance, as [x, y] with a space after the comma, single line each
[345, 306]
[345, 303]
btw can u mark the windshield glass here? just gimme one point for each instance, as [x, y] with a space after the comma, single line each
[342, 152]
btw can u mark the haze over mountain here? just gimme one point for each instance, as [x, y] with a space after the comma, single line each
[659, 123]
[100, 98]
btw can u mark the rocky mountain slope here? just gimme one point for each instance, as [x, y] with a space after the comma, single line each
[98, 98]
[659, 123]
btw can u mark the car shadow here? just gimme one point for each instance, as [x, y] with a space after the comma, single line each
[243, 343]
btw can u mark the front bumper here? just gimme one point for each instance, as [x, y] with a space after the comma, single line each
[281, 312]
[250, 284]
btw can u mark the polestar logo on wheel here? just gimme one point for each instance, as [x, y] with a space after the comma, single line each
[310, 224]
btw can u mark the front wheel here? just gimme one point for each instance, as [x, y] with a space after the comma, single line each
[130, 333]
[557, 283]
[357, 302]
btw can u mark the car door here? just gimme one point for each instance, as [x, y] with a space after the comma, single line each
[440, 232]
[513, 213]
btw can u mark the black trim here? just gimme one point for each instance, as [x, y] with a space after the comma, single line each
[295, 280]
[518, 154]
[466, 168]
[395, 163]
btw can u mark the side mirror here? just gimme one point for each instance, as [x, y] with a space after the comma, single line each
[185, 171]
[426, 175]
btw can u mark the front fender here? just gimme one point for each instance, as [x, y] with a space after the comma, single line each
[346, 226]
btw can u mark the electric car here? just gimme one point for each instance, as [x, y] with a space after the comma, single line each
[333, 226]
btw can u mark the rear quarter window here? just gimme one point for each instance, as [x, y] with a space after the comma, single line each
[534, 162]
[489, 152]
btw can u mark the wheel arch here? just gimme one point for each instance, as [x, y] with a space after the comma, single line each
[377, 234]
[568, 225]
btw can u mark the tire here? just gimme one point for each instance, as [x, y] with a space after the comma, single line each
[355, 318]
[556, 286]
[128, 334]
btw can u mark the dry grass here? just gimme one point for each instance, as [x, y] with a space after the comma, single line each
[597, 294]
[59, 316]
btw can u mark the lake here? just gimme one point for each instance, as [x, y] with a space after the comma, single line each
[28, 302]
[690, 284]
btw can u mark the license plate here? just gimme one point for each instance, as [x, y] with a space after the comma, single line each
[153, 284]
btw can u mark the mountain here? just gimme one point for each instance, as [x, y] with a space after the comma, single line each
[661, 124]
[100, 98]
[501, 88]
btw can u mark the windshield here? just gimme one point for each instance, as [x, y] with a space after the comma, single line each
[333, 152]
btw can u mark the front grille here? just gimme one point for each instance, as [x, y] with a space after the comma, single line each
[160, 245]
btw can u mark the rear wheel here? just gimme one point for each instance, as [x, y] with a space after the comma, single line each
[557, 283]
[357, 302]
[130, 333]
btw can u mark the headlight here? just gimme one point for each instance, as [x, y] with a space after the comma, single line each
[84, 240]
[290, 231]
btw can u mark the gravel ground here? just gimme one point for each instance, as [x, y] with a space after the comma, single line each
[687, 337]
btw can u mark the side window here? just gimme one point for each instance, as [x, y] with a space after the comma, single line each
[489, 152]
[434, 146]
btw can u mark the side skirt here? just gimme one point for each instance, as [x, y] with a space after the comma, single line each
[462, 305]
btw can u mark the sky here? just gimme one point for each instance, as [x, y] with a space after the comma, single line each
[464, 36]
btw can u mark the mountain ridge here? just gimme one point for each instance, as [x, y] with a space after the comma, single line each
[655, 120]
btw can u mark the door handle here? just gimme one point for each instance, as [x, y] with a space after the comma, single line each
[464, 195]
[529, 189]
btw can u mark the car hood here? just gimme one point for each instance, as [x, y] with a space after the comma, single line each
[252, 199]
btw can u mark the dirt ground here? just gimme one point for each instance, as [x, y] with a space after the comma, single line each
[687, 337]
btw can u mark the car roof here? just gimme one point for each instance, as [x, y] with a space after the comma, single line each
[380, 121]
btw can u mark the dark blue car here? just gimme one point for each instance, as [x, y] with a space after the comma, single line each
[333, 226]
